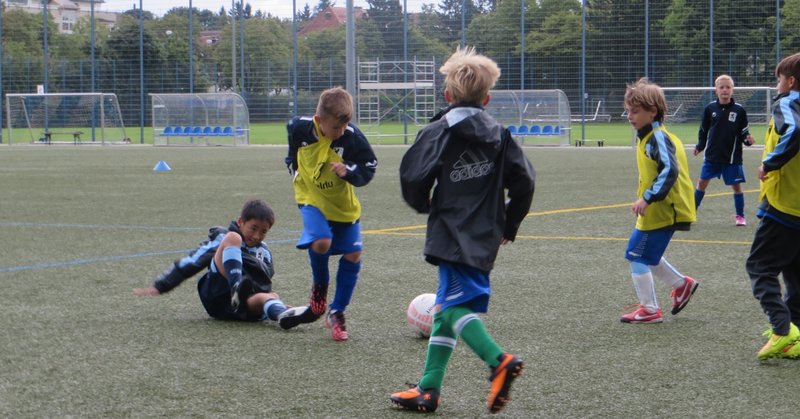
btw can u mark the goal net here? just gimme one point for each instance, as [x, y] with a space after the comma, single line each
[534, 117]
[64, 117]
[686, 104]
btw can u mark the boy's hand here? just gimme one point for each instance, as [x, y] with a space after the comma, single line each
[146, 292]
[695, 151]
[639, 206]
[749, 140]
[339, 168]
[762, 175]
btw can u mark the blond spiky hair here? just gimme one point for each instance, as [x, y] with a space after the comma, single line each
[468, 76]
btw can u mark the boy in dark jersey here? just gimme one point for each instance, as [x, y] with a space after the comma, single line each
[238, 283]
[722, 132]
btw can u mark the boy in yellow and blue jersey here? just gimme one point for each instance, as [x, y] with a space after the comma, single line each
[665, 204]
[775, 250]
[328, 157]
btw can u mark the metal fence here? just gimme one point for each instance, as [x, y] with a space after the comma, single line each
[588, 49]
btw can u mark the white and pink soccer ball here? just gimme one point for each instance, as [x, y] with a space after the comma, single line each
[420, 313]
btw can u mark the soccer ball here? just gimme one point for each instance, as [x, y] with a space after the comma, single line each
[420, 313]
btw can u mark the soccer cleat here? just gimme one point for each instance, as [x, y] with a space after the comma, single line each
[319, 295]
[335, 321]
[777, 343]
[240, 291]
[740, 221]
[501, 378]
[294, 316]
[641, 315]
[417, 399]
[682, 294]
[792, 351]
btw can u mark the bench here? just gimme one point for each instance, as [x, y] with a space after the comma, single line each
[580, 143]
[198, 131]
[48, 136]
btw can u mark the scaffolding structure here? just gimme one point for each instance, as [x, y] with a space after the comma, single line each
[402, 92]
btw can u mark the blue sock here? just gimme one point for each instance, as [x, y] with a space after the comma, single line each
[319, 267]
[232, 264]
[272, 309]
[698, 197]
[346, 278]
[738, 203]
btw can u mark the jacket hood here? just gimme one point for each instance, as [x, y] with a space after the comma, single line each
[471, 123]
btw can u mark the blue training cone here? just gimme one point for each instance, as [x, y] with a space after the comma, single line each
[162, 166]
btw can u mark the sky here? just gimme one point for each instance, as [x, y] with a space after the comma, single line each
[280, 8]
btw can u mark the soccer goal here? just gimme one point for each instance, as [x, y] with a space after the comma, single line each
[535, 117]
[75, 118]
[686, 104]
[200, 119]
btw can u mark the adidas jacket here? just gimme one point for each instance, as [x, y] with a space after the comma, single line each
[469, 161]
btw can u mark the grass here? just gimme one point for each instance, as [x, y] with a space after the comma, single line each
[82, 226]
[613, 133]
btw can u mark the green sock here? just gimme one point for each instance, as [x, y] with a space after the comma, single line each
[440, 347]
[471, 329]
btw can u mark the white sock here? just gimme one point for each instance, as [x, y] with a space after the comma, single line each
[667, 273]
[645, 290]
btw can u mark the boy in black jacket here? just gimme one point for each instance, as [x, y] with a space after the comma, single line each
[722, 132]
[238, 284]
[472, 161]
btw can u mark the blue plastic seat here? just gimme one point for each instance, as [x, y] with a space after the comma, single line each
[547, 130]
[206, 130]
[197, 131]
[536, 130]
[227, 131]
[216, 131]
[522, 130]
[177, 130]
[556, 130]
[512, 129]
[187, 130]
[167, 131]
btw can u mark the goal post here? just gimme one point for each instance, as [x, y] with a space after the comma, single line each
[64, 117]
[200, 119]
[686, 104]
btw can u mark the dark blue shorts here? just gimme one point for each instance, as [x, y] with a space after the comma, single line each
[731, 173]
[345, 237]
[463, 285]
[215, 294]
[648, 246]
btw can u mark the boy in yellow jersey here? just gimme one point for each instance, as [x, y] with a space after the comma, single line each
[665, 204]
[328, 157]
[775, 250]
[459, 171]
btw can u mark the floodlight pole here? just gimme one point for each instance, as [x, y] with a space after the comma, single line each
[294, 57]
[92, 59]
[191, 50]
[233, 45]
[141, 74]
[350, 48]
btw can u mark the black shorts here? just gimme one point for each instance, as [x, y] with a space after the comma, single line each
[215, 294]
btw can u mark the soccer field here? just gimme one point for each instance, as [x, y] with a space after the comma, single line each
[82, 226]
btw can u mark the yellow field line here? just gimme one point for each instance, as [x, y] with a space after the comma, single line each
[405, 230]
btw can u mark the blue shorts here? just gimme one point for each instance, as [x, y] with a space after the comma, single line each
[648, 246]
[731, 173]
[345, 237]
[463, 285]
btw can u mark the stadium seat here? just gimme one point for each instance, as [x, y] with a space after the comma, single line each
[227, 131]
[167, 131]
[197, 130]
[187, 130]
[536, 130]
[547, 130]
[512, 129]
[216, 131]
[556, 130]
[207, 131]
[177, 130]
[522, 130]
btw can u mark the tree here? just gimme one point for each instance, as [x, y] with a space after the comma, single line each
[388, 18]
[323, 4]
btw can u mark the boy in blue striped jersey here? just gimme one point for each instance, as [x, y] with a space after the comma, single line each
[774, 251]
[722, 132]
[665, 204]
[238, 283]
